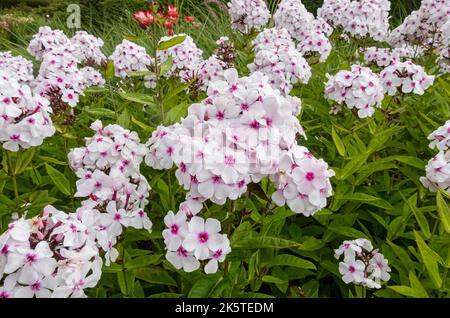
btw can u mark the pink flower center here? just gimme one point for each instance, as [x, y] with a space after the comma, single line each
[220, 115]
[203, 237]
[174, 229]
[254, 124]
[182, 252]
[218, 253]
[30, 258]
[309, 176]
[229, 160]
[4, 295]
[351, 269]
[36, 286]
[4, 250]
[117, 217]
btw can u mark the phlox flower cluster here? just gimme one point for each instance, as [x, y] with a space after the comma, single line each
[52, 255]
[239, 134]
[109, 179]
[194, 239]
[331, 11]
[59, 73]
[60, 78]
[92, 77]
[303, 182]
[364, 18]
[438, 168]
[444, 49]
[87, 48]
[225, 51]
[359, 89]
[406, 77]
[423, 27]
[17, 67]
[205, 72]
[279, 60]
[47, 40]
[383, 57]
[128, 57]
[294, 17]
[302, 26]
[185, 55]
[315, 42]
[362, 264]
[24, 117]
[248, 15]
[188, 64]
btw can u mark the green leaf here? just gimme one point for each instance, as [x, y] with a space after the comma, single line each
[380, 139]
[338, 142]
[166, 66]
[140, 73]
[53, 160]
[429, 259]
[96, 89]
[24, 160]
[417, 285]
[172, 42]
[142, 125]
[273, 279]
[202, 288]
[166, 295]
[411, 161]
[175, 91]
[142, 261]
[444, 211]
[175, 113]
[366, 198]
[122, 283]
[420, 217]
[124, 119]
[352, 166]
[265, 242]
[100, 112]
[290, 260]
[155, 275]
[138, 98]
[59, 180]
[109, 73]
[406, 291]
[347, 231]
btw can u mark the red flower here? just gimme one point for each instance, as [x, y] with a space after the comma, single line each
[168, 24]
[172, 11]
[189, 18]
[144, 18]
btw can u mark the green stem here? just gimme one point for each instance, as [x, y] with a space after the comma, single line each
[444, 278]
[13, 175]
[157, 71]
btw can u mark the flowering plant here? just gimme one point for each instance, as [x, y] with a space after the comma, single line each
[218, 162]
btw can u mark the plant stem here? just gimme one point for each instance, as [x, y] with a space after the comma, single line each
[157, 71]
[13, 175]
[444, 278]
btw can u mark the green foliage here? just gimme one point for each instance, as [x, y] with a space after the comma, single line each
[377, 193]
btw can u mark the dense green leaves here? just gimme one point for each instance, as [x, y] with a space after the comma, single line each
[59, 180]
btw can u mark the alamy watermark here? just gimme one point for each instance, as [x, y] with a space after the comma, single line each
[74, 19]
